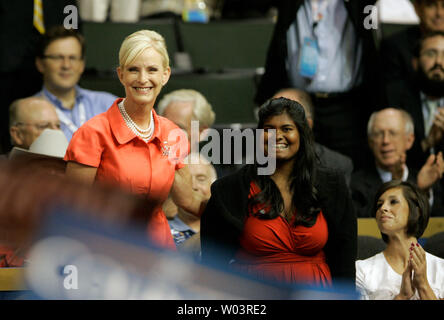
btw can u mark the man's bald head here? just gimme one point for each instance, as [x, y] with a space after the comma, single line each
[28, 117]
[299, 96]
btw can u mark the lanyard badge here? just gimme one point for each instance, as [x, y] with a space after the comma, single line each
[309, 58]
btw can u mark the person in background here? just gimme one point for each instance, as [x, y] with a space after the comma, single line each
[61, 61]
[390, 136]
[182, 107]
[398, 50]
[185, 226]
[129, 145]
[186, 105]
[22, 24]
[423, 98]
[284, 226]
[403, 270]
[28, 117]
[324, 48]
[326, 156]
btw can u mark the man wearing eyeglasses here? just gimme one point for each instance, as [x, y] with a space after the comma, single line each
[390, 134]
[28, 118]
[61, 61]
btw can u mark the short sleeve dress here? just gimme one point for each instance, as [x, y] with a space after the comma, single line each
[124, 159]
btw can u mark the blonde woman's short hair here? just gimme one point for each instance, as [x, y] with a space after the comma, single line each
[135, 43]
[202, 110]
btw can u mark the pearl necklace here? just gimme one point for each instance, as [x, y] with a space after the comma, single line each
[145, 134]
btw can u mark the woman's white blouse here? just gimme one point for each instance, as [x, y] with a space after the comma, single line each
[376, 280]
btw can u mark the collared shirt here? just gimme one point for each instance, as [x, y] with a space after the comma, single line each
[180, 230]
[387, 176]
[125, 160]
[92, 103]
[340, 49]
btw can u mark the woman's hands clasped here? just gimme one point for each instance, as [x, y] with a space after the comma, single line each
[414, 277]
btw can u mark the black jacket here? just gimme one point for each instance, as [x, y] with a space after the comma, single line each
[397, 52]
[276, 77]
[365, 184]
[223, 220]
[405, 96]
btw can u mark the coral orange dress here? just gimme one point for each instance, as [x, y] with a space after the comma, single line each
[275, 249]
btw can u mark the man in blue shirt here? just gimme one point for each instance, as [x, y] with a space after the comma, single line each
[324, 47]
[61, 61]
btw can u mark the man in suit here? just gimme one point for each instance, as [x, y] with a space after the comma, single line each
[390, 135]
[327, 157]
[398, 50]
[323, 47]
[423, 97]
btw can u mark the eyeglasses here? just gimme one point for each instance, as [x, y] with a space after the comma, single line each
[61, 58]
[432, 53]
[41, 126]
[379, 135]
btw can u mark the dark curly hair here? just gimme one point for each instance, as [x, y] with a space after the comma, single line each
[419, 208]
[303, 175]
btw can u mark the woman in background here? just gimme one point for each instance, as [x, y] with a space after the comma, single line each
[403, 270]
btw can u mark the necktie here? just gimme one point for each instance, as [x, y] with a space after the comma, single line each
[38, 16]
[432, 107]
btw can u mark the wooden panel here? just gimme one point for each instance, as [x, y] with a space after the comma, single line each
[368, 227]
[12, 279]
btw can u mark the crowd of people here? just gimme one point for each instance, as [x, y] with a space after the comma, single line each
[354, 130]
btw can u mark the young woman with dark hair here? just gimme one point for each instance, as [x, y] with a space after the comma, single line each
[296, 225]
[403, 270]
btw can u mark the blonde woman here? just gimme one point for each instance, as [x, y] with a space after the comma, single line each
[130, 145]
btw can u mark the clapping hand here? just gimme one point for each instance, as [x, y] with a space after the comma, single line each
[431, 171]
[398, 168]
[436, 132]
[419, 264]
[407, 290]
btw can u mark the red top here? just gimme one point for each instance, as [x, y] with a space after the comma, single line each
[277, 250]
[124, 159]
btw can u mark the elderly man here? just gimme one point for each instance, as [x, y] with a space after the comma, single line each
[390, 135]
[327, 157]
[423, 98]
[184, 225]
[398, 50]
[185, 105]
[28, 117]
[61, 61]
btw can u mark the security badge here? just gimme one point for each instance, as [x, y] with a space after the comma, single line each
[309, 58]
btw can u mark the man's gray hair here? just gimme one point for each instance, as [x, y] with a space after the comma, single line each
[202, 110]
[409, 126]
